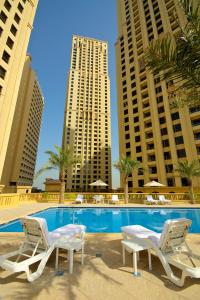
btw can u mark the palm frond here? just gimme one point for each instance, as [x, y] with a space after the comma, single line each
[43, 169]
[126, 165]
[188, 169]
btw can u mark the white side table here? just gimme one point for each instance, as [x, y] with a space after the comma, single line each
[133, 247]
[73, 244]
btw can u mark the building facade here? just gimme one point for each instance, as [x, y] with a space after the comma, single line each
[16, 21]
[149, 129]
[19, 165]
[87, 113]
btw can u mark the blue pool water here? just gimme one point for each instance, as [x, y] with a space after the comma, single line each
[111, 219]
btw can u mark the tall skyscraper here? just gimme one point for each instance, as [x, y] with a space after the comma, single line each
[16, 20]
[87, 113]
[19, 165]
[149, 129]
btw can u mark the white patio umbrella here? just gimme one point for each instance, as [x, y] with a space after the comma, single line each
[98, 183]
[153, 184]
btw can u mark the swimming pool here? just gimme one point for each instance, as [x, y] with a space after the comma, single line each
[111, 219]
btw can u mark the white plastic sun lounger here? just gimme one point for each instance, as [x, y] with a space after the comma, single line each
[37, 246]
[162, 200]
[170, 246]
[79, 199]
[150, 200]
[114, 199]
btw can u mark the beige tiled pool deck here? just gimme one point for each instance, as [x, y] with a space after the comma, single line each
[101, 278]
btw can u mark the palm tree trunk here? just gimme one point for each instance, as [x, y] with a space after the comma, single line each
[191, 192]
[126, 190]
[62, 186]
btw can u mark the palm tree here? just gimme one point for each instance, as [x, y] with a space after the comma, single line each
[126, 166]
[189, 170]
[62, 160]
[177, 57]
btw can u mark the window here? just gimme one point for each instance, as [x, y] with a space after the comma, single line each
[159, 99]
[127, 136]
[137, 128]
[2, 72]
[151, 157]
[177, 127]
[162, 120]
[130, 184]
[153, 170]
[179, 140]
[13, 30]
[163, 131]
[175, 116]
[1, 31]
[194, 109]
[136, 119]
[17, 18]
[126, 120]
[126, 128]
[138, 149]
[6, 57]
[7, 5]
[9, 43]
[137, 138]
[158, 89]
[150, 146]
[169, 168]
[165, 143]
[181, 153]
[195, 122]
[167, 155]
[170, 181]
[184, 182]
[141, 182]
[161, 109]
[128, 154]
[128, 145]
[20, 7]
[3, 17]
[197, 136]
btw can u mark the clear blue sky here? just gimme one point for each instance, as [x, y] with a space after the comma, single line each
[50, 48]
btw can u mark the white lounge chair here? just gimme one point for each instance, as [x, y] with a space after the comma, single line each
[150, 200]
[37, 246]
[115, 199]
[170, 246]
[162, 200]
[79, 199]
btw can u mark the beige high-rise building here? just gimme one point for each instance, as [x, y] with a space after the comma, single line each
[16, 21]
[149, 130]
[87, 114]
[19, 165]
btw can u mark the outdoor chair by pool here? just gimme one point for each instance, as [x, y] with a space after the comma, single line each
[115, 199]
[79, 199]
[37, 246]
[170, 246]
[150, 200]
[98, 198]
[162, 200]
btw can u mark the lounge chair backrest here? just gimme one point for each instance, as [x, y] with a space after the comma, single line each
[174, 234]
[149, 198]
[36, 230]
[115, 198]
[161, 197]
[79, 196]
